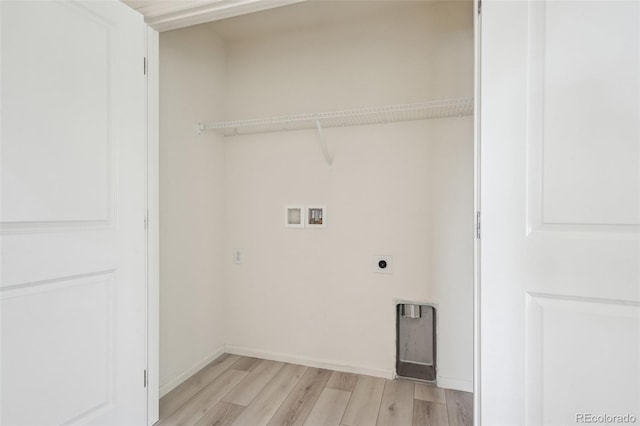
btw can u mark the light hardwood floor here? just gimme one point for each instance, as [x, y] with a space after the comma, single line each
[236, 390]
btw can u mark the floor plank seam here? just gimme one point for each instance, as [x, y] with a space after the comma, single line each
[345, 407]
[380, 404]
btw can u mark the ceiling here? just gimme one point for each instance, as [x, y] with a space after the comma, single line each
[164, 15]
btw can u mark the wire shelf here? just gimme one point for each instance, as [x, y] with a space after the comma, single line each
[443, 108]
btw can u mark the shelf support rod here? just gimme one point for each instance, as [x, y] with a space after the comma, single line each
[323, 144]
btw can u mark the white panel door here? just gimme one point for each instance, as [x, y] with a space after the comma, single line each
[73, 281]
[560, 202]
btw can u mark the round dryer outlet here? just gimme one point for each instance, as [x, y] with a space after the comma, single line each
[383, 264]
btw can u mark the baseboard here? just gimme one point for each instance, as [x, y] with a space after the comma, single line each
[175, 382]
[455, 384]
[308, 361]
[443, 382]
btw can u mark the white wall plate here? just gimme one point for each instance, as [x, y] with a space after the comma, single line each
[294, 216]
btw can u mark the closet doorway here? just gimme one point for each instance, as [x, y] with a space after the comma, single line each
[300, 146]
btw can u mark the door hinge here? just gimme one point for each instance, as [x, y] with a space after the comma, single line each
[144, 66]
[146, 220]
[479, 6]
[478, 225]
[145, 378]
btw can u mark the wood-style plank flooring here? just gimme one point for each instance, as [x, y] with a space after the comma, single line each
[243, 391]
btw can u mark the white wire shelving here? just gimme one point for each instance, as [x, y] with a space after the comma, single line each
[354, 117]
[443, 108]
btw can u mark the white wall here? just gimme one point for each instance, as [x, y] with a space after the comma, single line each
[400, 189]
[405, 55]
[192, 216]
[451, 248]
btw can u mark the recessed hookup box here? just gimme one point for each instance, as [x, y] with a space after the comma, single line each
[416, 342]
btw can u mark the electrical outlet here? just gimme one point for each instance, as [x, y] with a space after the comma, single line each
[383, 264]
[238, 256]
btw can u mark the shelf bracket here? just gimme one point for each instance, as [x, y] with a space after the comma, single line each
[323, 144]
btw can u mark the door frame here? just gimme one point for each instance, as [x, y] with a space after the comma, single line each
[477, 145]
[152, 68]
[153, 254]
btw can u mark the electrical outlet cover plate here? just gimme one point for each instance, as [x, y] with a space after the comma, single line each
[383, 264]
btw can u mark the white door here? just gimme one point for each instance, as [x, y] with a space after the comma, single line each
[560, 188]
[72, 216]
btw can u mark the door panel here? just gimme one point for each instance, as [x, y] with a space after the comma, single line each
[73, 288]
[560, 185]
[583, 108]
[78, 359]
[42, 182]
[571, 350]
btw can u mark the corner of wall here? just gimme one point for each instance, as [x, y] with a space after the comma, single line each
[192, 213]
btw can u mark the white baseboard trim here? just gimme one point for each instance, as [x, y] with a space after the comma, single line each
[443, 382]
[175, 382]
[308, 361]
[455, 384]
